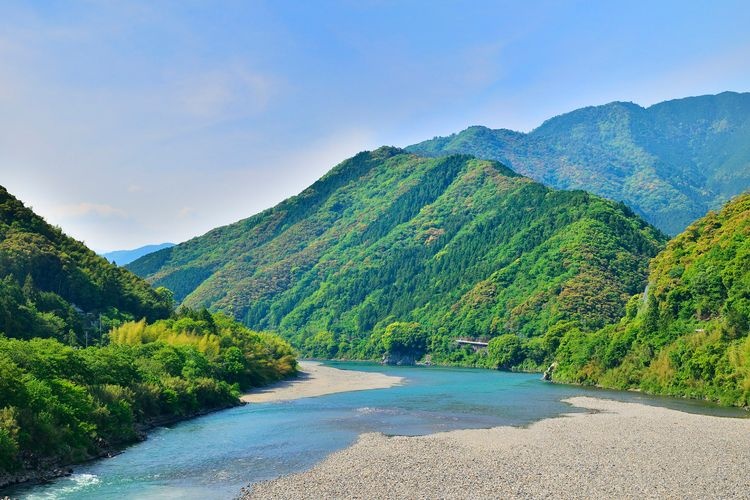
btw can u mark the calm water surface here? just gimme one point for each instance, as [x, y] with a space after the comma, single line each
[216, 455]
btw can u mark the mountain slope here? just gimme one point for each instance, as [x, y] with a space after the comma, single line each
[671, 162]
[689, 337]
[75, 395]
[52, 285]
[459, 245]
[123, 257]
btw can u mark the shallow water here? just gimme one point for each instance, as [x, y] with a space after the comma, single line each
[216, 455]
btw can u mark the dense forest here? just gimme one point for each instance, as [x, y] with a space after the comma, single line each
[686, 335]
[460, 246]
[670, 162]
[395, 255]
[63, 401]
[689, 336]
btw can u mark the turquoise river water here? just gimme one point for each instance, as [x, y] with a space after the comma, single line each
[216, 455]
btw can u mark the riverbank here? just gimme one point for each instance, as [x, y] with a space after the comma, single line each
[42, 471]
[316, 379]
[614, 450]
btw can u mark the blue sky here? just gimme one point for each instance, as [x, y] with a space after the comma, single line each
[129, 123]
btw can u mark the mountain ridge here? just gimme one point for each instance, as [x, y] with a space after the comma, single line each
[671, 161]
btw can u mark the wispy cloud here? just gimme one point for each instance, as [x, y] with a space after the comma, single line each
[233, 91]
[84, 209]
[173, 118]
[185, 212]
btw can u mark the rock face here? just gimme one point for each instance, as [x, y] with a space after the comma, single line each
[399, 359]
[33, 476]
[548, 372]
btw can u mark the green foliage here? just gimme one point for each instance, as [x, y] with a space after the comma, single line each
[462, 246]
[690, 336]
[60, 403]
[67, 404]
[505, 351]
[671, 162]
[405, 338]
[52, 285]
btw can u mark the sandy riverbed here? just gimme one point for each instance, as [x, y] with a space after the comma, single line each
[616, 450]
[317, 380]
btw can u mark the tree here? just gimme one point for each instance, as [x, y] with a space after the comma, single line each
[505, 351]
[405, 338]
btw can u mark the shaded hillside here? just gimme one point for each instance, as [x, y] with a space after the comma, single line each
[690, 336]
[671, 162]
[460, 246]
[53, 286]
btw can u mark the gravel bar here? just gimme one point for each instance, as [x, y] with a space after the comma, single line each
[615, 450]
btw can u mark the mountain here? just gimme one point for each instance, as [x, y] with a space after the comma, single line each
[671, 162]
[54, 286]
[122, 257]
[689, 335]
[457, 245]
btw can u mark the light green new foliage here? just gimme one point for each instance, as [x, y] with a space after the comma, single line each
[63, 405]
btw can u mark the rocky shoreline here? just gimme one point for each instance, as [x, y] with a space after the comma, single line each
[41, 472]
[614, 450]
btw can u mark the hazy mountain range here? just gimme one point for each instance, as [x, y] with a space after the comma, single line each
[122, 257]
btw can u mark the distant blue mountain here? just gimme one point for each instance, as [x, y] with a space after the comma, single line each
[122, 257]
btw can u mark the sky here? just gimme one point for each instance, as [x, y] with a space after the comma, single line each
[130, 123]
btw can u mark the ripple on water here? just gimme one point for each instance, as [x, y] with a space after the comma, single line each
[367, 410]
[69, 486]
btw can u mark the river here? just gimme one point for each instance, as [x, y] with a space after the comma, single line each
[216, 455]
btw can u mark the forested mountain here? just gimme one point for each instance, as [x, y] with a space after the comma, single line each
[54, 286]
[61, 401]
[689, 337]
[670, 162]
[454, 245]
[122, 257]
